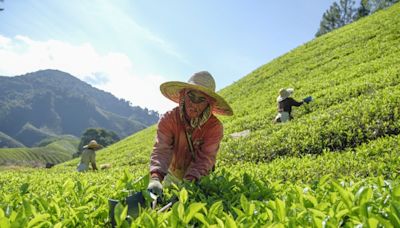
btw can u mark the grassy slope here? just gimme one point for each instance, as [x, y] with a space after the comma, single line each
[350, 131]
[56, 152]
[29, 135]
[348, 72]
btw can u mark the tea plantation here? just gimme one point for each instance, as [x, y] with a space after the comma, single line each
[56, 151]
[337, 164]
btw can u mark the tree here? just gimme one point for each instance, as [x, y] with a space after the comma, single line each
[337, 16]
[368, 7]
[364, 9]
[101, 136]
[376, 5]
[330, 20]
[344, 13]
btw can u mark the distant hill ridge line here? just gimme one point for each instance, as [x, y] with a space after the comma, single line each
[55, 102]
[70, 82]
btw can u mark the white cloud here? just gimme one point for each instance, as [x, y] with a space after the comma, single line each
[4, 41]
[141, 91]
[112, 72]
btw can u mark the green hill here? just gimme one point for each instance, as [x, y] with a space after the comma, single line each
[54, 151]
[335, 165]
[29, 135]
[51, 102]
[8, 142]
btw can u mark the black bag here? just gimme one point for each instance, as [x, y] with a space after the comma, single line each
[133, 201]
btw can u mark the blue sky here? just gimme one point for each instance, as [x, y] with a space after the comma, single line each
[129, 48]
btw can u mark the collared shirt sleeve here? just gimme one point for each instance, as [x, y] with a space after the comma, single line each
[293, 102]
[206, 153]
[161, 156]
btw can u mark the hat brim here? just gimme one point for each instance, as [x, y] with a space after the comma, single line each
[171, 91]
[96, 146]
[281, 98]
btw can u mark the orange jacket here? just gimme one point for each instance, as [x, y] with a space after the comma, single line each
[171, 151]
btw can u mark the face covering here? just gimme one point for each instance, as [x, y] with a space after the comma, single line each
[197, 121]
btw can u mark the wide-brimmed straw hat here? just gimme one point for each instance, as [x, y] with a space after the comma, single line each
[284, 93]
[201, 81]
[92, 145]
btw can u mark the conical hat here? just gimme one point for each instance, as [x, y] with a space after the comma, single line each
[284, 93]
[92, 145]
[201, 81]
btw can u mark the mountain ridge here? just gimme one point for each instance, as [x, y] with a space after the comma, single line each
[60, 103]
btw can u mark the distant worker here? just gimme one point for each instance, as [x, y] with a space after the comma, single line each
[89, 156]
[285, 103]
[49, 165]
[188, 136]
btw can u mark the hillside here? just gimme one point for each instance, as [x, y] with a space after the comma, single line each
[29, 134]
[335, 165]
[8, 142]
[51, 102]
[57, 151]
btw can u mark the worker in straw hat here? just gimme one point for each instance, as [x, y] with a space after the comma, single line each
[285, 103]
[89, 156]
[189, 135]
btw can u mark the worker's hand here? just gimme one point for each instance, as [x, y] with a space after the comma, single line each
[307, 99]
[155, 186]
[190, 178]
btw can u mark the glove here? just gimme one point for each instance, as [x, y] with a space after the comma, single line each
[307, 99]
[155, 186]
